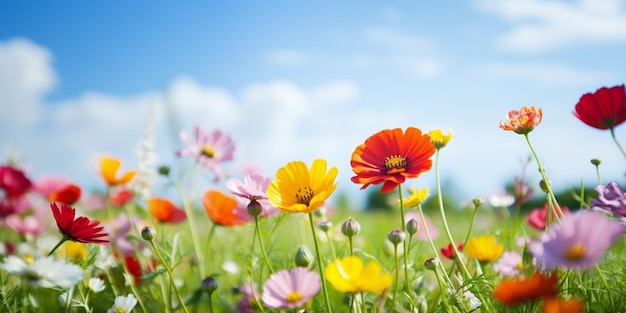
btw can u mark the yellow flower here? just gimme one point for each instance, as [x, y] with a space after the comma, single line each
[349, 275]
[298, 189]
[484, 248]
[74, 251]
[417, 197]
[439, 139]
[108, 171]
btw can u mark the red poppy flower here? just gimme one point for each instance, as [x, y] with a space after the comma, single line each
[80, 229]
[517, 290]
[68, 195]
[603, 109]
[448, 251]
[537, 217]
[392, 156]
[14, 181]
[220, 208]
[165, 211]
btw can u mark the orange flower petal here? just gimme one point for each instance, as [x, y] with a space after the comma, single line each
[516, 290]
[220, 208]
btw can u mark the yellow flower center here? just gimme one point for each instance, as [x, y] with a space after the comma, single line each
[208, 151]
[304, 195]
[120, 310]
[575, 252]
[294, 297]
[394, 162]
[520, 265]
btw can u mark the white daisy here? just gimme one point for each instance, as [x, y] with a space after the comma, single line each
[96, 284]
[44, 272]
[123, 304]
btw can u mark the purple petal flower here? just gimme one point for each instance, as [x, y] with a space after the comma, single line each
[509, 264]
[611, 198]
[290, 290]
[254, 187]
[577, 242]
[209, 149]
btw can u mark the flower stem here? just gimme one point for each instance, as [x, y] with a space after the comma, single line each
[431, 242]
[192, 228]
[617, 142]
[319, 265]
[606, 285]
[64, 239]
[407, 281]
[544, 177]
[169, 273]
[258, 232]
[445, 220]
[395, 288]
[471, 226]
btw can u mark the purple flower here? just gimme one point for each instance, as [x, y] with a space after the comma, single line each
[577, 242]
[253, 188]
[248, 304]
[509, 264]
[209, 149]
[611, 198]
[290, 290]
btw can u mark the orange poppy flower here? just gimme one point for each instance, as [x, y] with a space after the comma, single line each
[220, 208]
[522, 121]
[392, 156]
[108, 171]
[554, 305]
[516, 290]
[68, 195]
[165, 211]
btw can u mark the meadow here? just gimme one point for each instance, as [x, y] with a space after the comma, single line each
[286, 242]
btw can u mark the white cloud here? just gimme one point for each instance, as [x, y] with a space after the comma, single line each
[546, 25]
[546, 73]
[286, 57]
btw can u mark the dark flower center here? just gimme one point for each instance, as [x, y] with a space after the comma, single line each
[395, 161]
[304, 195]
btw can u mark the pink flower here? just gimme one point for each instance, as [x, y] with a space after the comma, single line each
[290, 290]
[509, 264]
[14, 181]
[209, 149]
[537, 217]
[253, 188]
[13, 205]
[24, 226]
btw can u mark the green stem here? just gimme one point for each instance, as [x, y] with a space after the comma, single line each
[544, 177]
[351, 246]
[258, 232]
[606, 285]
[617, 142]
[431, 242]
[208, 246]
[64, 239]
[395, 288]
[210, 304]
[471, 226]
[598, 174]
[169, 273]
[320, 265]
[445, 220]
[404, 246]
[330, 243]
[192, 228]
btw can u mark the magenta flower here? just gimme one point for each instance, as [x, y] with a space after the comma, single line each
[13, 205]
[28, 225]
[13, 181]
[253, 188]
[577, 242]
[209, 149]
[290, 290]
[248, 303]
[509, 264]
[537, 217]
[611, 198]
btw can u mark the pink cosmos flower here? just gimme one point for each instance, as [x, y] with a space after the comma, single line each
[29, 225]
[577, 242]
[509, 264]
[253, 188]
[290, 290]
[13, 181]
[421, 233]
[209, 149]
[537, 217]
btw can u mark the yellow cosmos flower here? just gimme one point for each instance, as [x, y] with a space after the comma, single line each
[349, 275]
[417, 197]
[438, 138]
[298, 189]
[484, 248]
[108, 171]
[74, 251]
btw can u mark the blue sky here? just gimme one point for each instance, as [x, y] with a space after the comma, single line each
[296, 80]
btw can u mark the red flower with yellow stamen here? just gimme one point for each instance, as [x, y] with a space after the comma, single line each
[522, 121]
[392, 156]
[165, 211]
[80, 229]
[517, 290]
[220, 208]
[603, 109]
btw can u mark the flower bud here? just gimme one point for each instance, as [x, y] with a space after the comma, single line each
[164, 170]
[148, 233]
[350, 228]
[545, 187]
[412, 226]
[396, 236]
[304, 257]
[325, 226]
[209, 285]
[596, 161]
[421, 304]
[431, 264]
[254, 208]
[477, 202]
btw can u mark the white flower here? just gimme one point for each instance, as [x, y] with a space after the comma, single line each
[123, 304]
[44, 272]
[471, 300]
[96, 284]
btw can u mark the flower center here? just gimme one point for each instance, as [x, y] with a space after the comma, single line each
[394, 162]
[575, 252]
[304, 195]
[294, 297]
[207, 151]
[120, 310]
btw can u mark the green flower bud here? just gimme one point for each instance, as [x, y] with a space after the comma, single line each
[350, 228]
[325, 226]
[412, 226]
[596, 161]
[431, 264]
[209, 285]
[304, 257]
[164, 170]
[545, 187]
[477, 202]
[148, 233]
[396, 236]
[254, 208]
